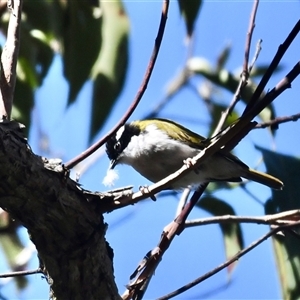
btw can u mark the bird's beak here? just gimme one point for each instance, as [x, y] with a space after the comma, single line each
[113, 163]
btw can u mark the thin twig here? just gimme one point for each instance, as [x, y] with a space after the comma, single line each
[21, 273]
[248, 40]
[148, 266]
[285, 83]
[286, 217]
[228, 262]
[70, 164]
[182, 202]
[278, 120]
[9, 59]
[272, 67]
[245, 73]
[256, 54]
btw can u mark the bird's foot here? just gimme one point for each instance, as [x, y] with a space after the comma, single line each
[145, 190]
[190, 162]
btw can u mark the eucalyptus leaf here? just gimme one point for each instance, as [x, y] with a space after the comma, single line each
[216, 112]
[189, 9]
[35, 55]
[109, 71]
[223, 57]
[43, 15]
[260, 70]
[23, 103]
[39, 34]
[12, 247]
[227, 80]
[82, 42]
[286, 247]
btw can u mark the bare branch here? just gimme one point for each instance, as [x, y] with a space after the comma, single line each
[21, 273]
[9, 59]
[248, 41]
[147, 267]
[273, 65]
[245, 73]
[286, 217]
[257, 51]
[278, 120]
[228, 262]
[182, 202]
[285, 83]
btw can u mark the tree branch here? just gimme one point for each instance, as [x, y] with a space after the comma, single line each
[21, 273]
[248, 40]
[286, 217]
[148, 265]
[273, 65]
[245, 73]
[67, 230]
[228, 262]
[279, 120]
[9, 58]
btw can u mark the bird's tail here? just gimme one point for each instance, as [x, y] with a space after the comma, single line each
[264, 179]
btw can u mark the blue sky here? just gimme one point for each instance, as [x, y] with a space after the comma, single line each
[134, 230]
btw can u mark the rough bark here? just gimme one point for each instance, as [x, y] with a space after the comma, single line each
[67, 230]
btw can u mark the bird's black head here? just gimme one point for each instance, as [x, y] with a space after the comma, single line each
[117, 143]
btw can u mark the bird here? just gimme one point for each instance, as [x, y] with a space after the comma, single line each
[156, 148]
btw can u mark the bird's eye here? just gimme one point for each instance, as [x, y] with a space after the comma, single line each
[117, 146]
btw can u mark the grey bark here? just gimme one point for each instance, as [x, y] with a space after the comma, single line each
[67, 229]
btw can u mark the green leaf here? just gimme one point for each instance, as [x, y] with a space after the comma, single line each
[232, 233]
[82, 42]
[27, 79]
[12, 247]
[39, 35]
[43, 15]
[23, 103]
[109, 71]
[35, 55]
[33, 64]
[189, 9]
[228, 81]
[223, 57]
[260, 70]
[216, 112]
[286, 168]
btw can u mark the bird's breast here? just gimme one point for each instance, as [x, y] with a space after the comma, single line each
[156, 156]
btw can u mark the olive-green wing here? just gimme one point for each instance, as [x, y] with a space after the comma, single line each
[178, 132]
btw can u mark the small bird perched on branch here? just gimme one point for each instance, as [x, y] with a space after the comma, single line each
[157, 148]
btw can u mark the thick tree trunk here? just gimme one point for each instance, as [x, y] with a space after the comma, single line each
[67, 230]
